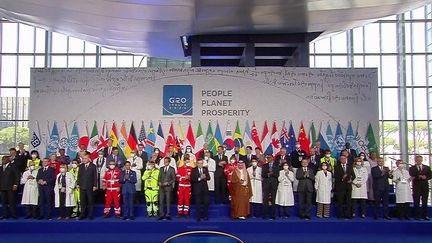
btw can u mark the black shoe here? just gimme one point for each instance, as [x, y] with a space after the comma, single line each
[161, 218]
[80, 218]
[308, 218]
[41, 217]
[387, 218]
[27, 217]
[168, 217]
[426, 218]
[363, 216]
[273, 218]
[205, 218]
[416, 218]
[407, 218]
[125, 218]
[198, 220]
[132, 218]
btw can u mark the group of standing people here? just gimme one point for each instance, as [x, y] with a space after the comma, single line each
[254, 184]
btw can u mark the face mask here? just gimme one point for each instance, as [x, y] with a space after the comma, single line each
[33, 156]
[324, 167]
[100, 155]
[32, 167]
[401, 166]
[133, 155]
[112, 167]
[359, 164]
[188, 151]
[254, 164]
[233, 160]
[62, 170]
[285, 167]
[362, 157]
[187, 164]
[150, 167]
[297, 146]
[156, 152]
[74, 165]
[206, 158]
[327, 155]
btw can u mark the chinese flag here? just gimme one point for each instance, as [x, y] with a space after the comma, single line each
[303, 140]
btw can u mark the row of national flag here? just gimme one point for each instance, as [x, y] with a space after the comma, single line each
[270, 140]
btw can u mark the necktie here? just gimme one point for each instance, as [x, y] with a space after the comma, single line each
[127, 172]
[220, 157]
[344, 168]
[420, 168]
[381, 168]
[115, 158]
[200, 171]
[166, 169]
[109, 150]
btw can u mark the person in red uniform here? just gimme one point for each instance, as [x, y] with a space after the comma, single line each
[183, 178]
[228, 170]
[111, 184]
[53, 163]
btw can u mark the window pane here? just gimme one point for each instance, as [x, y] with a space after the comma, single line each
[372, 38]
[108, 61]
[322, 61]
[8, 70]
[25, 63]
[339, 61]
[420, 104]
[8, 103]
[90, 61]
[409, 102]
[108, 51]
[390, 99]
[40, 40]
[418, 32]
[408, 70]
[311, 62]
[417, 137]
[388, 37]
[141, 61]
[76, 61]
[59, 43]
[339, 43]
[418, 13]
[389, 70]
[390, 134]
[40, 61]
[26, 38]
[59, 61]
[322, 46]
[419, 70]
[6, 142]
[76, 45]
[407, 38]
[9, 37]
[125, 61]
[358, 40]
[90, 47]
[358, 61]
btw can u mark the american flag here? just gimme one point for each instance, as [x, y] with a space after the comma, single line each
[142, 135]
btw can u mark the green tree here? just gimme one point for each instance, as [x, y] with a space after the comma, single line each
[417, 136]
[390, 136]
[7, 137]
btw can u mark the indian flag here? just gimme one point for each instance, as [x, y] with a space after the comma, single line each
[122, 142]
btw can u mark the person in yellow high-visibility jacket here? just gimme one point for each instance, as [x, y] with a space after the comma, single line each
[151, 188]
[74, 171]
[329, 160]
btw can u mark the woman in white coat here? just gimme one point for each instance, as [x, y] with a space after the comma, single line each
[284, 194]
[256, 200]
[64, 192]
[323, 187]
[30, 193]
[359, 191]
[402, 179]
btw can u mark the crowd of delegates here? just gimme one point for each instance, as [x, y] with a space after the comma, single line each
[254, 184]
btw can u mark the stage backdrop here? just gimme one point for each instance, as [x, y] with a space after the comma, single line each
[68, 102]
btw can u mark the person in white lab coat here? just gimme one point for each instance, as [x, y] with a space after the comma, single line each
[136, 165]
[359, 192]
[211, 166]
[64, 192]
[402, 179]
[30, 193]
[284, 195]
[254, 172]
[323, 187]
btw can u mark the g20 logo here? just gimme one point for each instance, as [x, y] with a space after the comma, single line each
[177, 100]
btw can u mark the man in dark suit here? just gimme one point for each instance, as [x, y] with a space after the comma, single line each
[270, 174]
[421, 174]
[220, 179]
[201, 154]
[249, 156]
[108, 149]
[283, 157]
[352, 153]
[237, 154]
[87, 181]
[116, 158]
[315, 162]
[9, 181]
[381, 175]
[318, 150]
[343, 174]
[297, 156]
[143, 155]
[22, 157]
[166, 180]
[46, 181]
[128, 179]
[199, 177]
[305, 188]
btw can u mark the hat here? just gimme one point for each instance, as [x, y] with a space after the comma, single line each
[240, 162]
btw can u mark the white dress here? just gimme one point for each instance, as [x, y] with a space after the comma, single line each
[284, 195]
[30, 193]
[211, 165]
[137, 161]
[402, 180]
[323, 187]
[256, 184]
[361, 177]
[70, 185]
